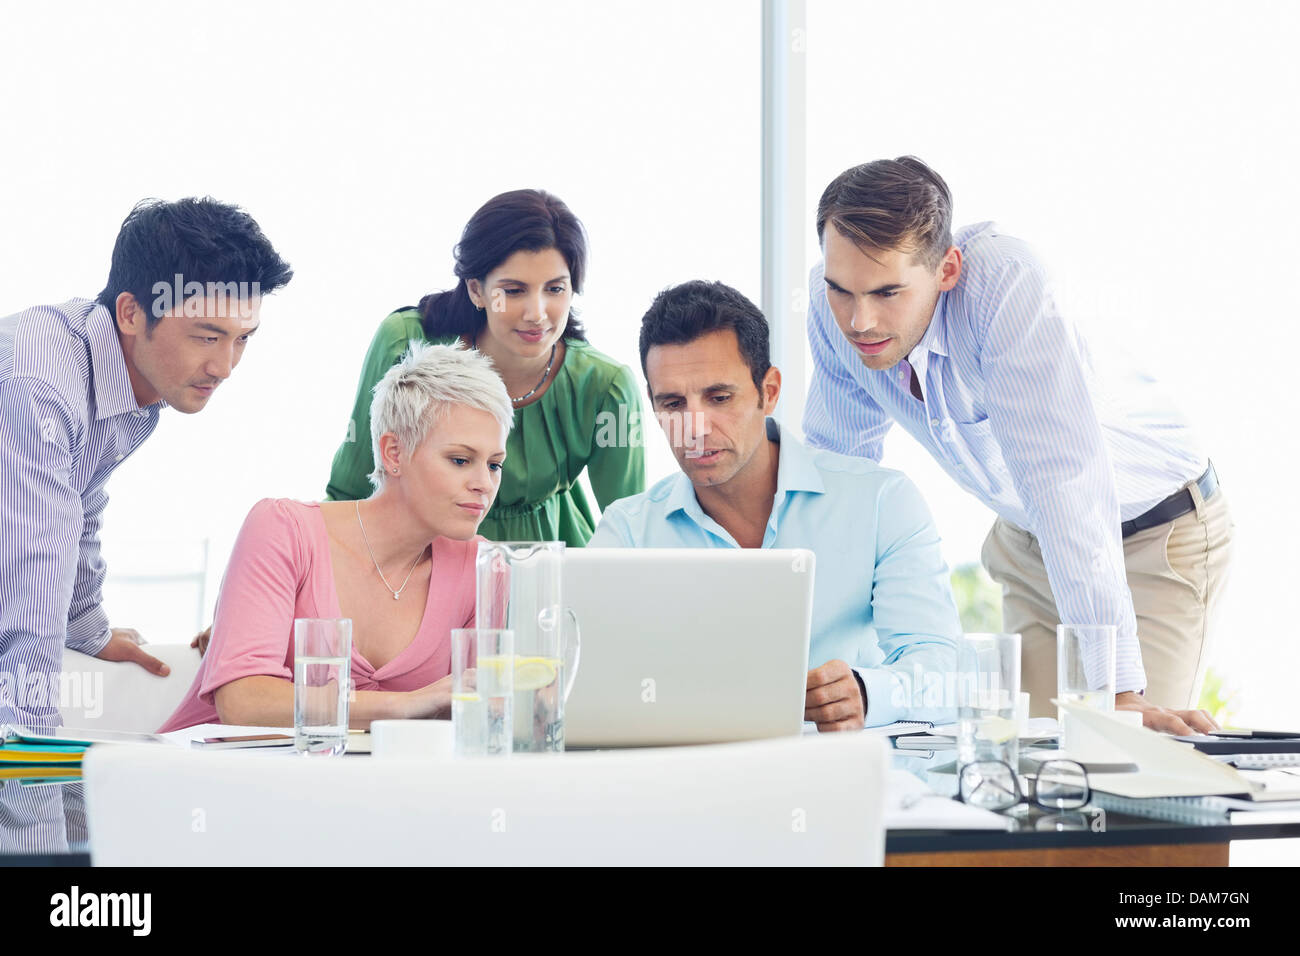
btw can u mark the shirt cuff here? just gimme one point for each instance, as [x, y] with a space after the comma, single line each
[885, 696]
[89, 633]
[1129, 674]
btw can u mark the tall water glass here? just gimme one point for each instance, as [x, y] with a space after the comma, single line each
[520, 588]
[1085, 669]
[322, 684]
[468, 712]
[482, 691]
[988, 685]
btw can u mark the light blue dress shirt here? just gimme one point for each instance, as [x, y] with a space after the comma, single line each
[882, 598]
[1019, 414]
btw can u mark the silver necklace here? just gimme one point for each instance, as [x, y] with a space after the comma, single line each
[545, 375]
[398, 593]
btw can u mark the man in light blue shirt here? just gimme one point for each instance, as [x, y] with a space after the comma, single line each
[884, 620]
[1108, 511]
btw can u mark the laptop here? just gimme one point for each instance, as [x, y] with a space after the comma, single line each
[687, 646]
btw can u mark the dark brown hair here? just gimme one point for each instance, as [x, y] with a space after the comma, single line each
[900, 204]
[527, 219]
[683, 313]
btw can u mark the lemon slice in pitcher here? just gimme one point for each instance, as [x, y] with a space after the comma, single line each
[534, 673]
[493, 675]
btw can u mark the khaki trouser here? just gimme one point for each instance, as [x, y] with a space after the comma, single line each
[1176, 573]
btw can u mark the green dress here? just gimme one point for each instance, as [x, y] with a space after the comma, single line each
[589, 418]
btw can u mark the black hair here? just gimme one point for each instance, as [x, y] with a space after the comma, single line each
[682, 313]
[524, 219]
[199, 240]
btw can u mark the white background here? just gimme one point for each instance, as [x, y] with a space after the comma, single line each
[1146, 149]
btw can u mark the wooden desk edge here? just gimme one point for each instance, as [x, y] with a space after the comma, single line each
[1196, 854]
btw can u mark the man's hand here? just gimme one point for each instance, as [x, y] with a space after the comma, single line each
[833, 699]
[124, 645]
[1165, 720]
[201, 640]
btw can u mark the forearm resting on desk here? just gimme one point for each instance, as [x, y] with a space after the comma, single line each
[265, 701]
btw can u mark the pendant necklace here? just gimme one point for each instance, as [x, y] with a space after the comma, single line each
[398, 593]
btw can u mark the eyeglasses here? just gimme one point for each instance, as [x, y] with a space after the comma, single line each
[993, 785]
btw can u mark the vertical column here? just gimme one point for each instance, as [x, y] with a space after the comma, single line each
[785, 274]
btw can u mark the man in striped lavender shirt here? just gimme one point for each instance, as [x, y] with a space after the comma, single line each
[1108, 511]
[81, 387]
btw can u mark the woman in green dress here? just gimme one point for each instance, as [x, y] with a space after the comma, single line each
[520, 260]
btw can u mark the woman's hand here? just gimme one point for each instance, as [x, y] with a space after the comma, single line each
[433, 700]
[264, 701]
[202, 639]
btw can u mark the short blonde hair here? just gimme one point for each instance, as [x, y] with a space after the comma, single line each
[417, 391]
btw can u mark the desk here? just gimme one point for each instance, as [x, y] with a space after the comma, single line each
[1126, 841]
[1087, 837]
[1138, 843]
[1081, 838]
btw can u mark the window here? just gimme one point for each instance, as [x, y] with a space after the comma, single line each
[1147, 151]
[362, 140]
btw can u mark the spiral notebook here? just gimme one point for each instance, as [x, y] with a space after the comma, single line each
[899, 727]
[1196, 810]
[1040, 730]
[1210, 744]
[1261, 761]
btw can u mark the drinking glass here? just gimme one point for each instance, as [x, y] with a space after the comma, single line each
[1085, 670]
[988, 685]
[468, 714]
[482, 688]
[322, 683]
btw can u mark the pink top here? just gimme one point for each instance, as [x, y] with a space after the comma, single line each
[279, 570]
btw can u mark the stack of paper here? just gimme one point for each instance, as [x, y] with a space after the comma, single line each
[1167, 768]
[15, 751]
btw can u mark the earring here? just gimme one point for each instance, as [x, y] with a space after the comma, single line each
[394, 471]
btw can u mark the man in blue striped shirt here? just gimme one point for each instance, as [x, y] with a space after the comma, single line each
[1108, 512]
[81, 387]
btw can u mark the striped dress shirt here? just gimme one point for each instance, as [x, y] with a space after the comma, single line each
[42, 819]
[68, 417]
[1017, 411]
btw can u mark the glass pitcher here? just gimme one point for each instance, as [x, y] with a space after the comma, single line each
[519, 587]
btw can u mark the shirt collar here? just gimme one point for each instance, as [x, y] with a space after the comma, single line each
[113, 394]
[935, 339]
[795, 471]
[681, 497]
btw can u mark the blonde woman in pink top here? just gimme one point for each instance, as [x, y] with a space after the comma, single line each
[400, 564]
